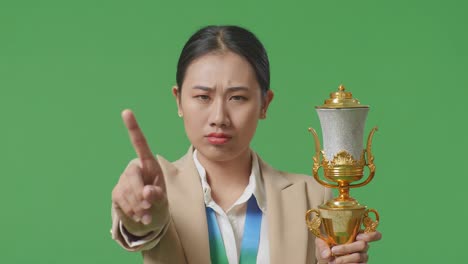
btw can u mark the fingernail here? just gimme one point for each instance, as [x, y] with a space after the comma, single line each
[146, 219]
[145, 204]
[325, 254]
[335, 250]
[136, 218]
[359, 237]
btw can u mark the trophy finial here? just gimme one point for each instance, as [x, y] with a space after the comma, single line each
[341, 99]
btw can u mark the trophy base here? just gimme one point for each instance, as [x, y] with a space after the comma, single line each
[341, 225]
[339, 221]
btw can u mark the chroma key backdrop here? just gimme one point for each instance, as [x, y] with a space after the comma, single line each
[68, 68]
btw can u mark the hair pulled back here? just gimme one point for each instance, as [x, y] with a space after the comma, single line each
[222, 39]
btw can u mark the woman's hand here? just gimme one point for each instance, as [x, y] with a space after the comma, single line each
[355, 252]
[139, 197]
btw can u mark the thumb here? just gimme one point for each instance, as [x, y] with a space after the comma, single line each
[322, 250]
[152, 194]
[155, 204]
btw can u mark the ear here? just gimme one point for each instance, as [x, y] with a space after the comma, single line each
[175, 92]
[266, 103]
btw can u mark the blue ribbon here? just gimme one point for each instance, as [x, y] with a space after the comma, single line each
[250, 239]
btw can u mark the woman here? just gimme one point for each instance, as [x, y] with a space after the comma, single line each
[220, 202]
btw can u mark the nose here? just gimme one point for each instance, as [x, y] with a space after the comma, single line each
[219, 116]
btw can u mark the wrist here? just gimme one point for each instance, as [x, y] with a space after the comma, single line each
[135, 235]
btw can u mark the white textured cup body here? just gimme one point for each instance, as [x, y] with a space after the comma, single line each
[342, 129]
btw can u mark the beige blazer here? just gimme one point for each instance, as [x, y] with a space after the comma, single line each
[185, 241]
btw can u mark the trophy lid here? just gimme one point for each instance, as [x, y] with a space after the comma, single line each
[341, 99]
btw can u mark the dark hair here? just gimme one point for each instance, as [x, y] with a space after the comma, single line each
[226, 38]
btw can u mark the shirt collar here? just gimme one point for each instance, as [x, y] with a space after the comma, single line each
[255, 186]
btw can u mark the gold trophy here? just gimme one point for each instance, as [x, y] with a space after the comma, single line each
[343, 159]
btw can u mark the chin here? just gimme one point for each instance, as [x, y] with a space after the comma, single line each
[219, 153]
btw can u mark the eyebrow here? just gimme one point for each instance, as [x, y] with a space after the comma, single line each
[233, 88]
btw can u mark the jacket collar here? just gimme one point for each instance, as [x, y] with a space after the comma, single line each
[187, 207]
[287, 205]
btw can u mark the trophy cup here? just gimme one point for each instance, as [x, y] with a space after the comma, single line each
[343, 159]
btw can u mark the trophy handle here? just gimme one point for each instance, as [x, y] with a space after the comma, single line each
[369, 224]
[314, 224]
[318, 158]
[370, 160]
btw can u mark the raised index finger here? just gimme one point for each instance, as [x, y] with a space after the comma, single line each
[137, 138]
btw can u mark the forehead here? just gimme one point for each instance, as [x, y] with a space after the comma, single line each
[220, 70]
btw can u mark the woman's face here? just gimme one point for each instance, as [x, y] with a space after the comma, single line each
[221, 104]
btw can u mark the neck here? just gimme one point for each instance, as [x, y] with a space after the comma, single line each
[227, 179]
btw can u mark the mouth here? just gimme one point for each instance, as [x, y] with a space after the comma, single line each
[218, 138]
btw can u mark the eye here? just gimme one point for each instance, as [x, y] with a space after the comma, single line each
[238, 98]
[202, 97]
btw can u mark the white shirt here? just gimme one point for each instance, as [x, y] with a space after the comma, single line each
[231, 223]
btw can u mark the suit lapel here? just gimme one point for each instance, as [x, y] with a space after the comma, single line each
[187, 207]
[286, 208]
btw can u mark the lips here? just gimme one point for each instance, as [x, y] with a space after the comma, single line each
[218, 138]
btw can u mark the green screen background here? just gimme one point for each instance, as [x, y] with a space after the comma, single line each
[68, 68]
